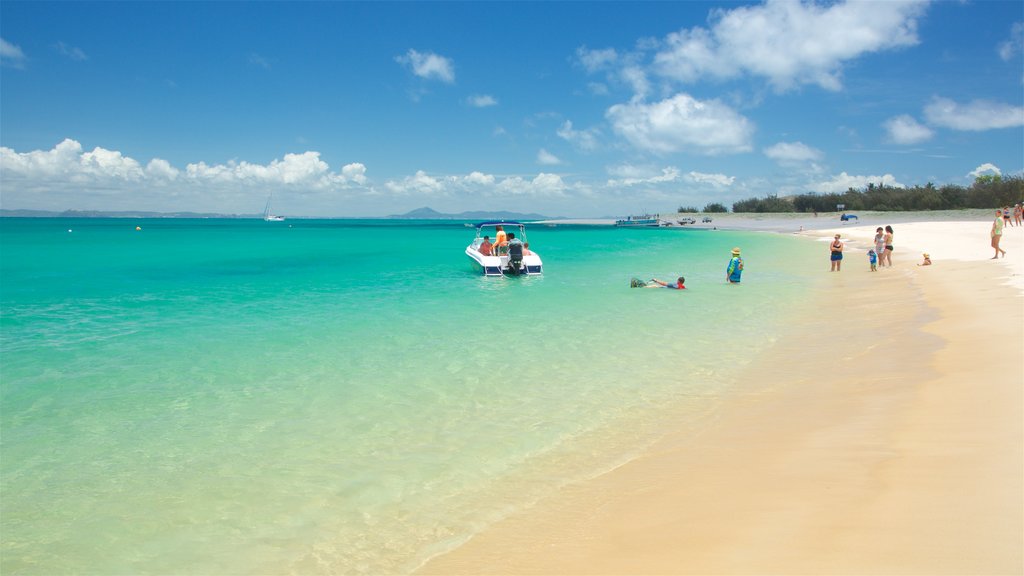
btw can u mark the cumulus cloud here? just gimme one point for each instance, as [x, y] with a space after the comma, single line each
[11, 55]
[633, 176]
[986, 168]
[596, 60]
[428, 65]
[904, 129]
[547, 158]
[843, 182]
[716, 180]
[68, 165]
[976, 116]
[789, 43]
[789, 153]
[482, 101]
[544, 184]
[582, 139]
[1014, 46]
[682, 123]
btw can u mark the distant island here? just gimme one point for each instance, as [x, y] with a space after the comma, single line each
[431, 214]
[418, 214]
[116, 214]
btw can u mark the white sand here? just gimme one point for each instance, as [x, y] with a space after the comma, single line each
[888, 438]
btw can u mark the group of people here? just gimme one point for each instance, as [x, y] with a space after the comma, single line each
[879, 255]
[502, 241]
[733, 273]
[1013, 215]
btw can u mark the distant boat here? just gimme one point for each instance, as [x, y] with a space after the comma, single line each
[270, 217]
[643, 221]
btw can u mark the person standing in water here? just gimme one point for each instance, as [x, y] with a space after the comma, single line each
[735, 269]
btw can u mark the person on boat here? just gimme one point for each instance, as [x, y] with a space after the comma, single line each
[485, 246]
[735, 269]
[678, 285]
[526, 249]
[500, 241]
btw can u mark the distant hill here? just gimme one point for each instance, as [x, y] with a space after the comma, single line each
[116, 214]
[431, 214]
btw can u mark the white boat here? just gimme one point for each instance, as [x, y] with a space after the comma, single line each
[642, 221]
[511, 260]
[270, 217]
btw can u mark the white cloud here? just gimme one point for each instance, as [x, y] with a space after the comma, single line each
[582, 139]
[72, 52]
[428, 65]
[480, 179]
[544, 184]
[634, 176]
[789, 43]
[986, 168]
[547, 158]
[716, 180]
[420, 183]
[67, 166]
[904, 129]
[482, 100]
[789, 153]
[843, 182]
[1014, 46]
[11, 55]
[682, 123]
[977, 115]
[596, 60]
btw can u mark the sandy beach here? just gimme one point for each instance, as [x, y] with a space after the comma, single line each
[884, 434]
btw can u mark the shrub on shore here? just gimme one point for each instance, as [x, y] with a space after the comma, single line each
[986, 192]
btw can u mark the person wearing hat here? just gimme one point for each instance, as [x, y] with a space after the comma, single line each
[735, 269]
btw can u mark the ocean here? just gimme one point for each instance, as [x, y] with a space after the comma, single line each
[343, 396]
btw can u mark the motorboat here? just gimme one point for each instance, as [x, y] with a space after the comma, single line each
[510, 260]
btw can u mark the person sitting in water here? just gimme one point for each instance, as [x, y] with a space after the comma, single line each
[678, 285]
[927, 261]
[485, 246]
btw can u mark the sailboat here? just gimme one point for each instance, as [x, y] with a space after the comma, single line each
[270, 217]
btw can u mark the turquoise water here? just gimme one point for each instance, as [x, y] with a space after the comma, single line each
[342, 396]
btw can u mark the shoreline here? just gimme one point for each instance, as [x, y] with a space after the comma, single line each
[877, 439]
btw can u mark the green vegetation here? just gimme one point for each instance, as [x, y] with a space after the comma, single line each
[715, 207]
[686, 210]
[989, 191]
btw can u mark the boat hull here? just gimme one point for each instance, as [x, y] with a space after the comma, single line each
[498, 265]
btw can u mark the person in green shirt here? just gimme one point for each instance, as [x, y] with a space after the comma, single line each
[997, 234]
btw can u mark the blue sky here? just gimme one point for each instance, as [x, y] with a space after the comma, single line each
[582, 109]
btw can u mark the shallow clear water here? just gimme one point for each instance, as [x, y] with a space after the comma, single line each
[344, 396]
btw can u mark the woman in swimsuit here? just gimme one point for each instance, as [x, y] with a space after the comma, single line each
[836, 251]
[879, 243]
[886, 256]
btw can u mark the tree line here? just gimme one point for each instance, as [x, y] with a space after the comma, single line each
[988, 191]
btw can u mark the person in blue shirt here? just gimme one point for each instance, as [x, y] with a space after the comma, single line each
[735, 269]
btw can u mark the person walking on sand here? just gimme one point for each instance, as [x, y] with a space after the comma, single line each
[1018, 214]
[879, 241]
[836, 251]
[873, 260]
[997, 234]
[735, 269]
[886, 255]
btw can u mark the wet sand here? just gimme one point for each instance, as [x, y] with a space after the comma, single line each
[884, 435]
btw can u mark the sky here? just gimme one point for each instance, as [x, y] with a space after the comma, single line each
[576, 109]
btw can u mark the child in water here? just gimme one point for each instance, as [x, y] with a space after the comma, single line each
[927, 261]
[873, 260]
